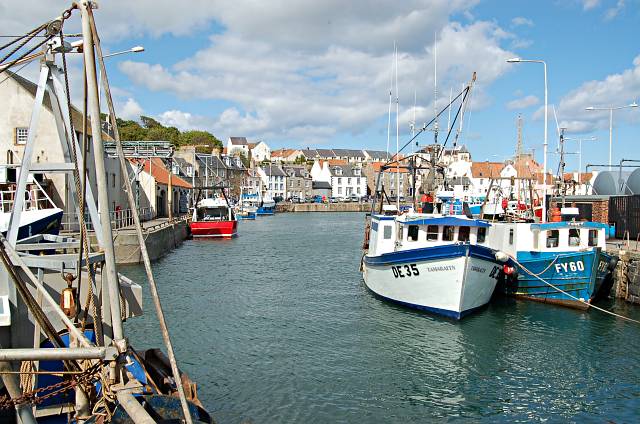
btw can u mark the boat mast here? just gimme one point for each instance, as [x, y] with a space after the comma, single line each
[397, 138]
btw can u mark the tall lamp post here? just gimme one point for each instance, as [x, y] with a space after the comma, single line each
[611, 109]
[546, 117]
[135, 49]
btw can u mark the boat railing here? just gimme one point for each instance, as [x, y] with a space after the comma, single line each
[119, 219]
[34, 198]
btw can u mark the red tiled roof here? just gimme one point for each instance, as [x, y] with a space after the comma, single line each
[486, 169]
[156, 168]
[377, 165]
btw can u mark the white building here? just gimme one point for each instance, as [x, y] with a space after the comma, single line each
[347, 180]
[238, 145]
[274, 180]
[259, 151]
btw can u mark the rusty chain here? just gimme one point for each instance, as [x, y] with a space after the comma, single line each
[34, 397]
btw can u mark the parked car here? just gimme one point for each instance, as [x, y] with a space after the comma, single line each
[345, 199]
[333, 200]
[278, 199]
[354, 198]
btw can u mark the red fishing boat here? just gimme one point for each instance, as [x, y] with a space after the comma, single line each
[214, 217]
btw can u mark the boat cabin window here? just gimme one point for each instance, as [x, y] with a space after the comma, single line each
[464, 233]
[387, 232]
[511, 236]
[553, 238]
[432, 233]
[212, 214]
[574, 237]
[482, 234]
[593, 237]
[447, 233]
[412, 233]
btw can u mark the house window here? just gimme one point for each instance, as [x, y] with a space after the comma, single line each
[447, 233]
[553, 238]
[432, 233]
[339, 180]
[463, 233]
[574, 237]
[22, 133]
[511, 236]
[482, 235]
[412, 233]
[349, 181]
[339, 190]
[358, 190]
[113, 180]
[387, 232]
[593, 237]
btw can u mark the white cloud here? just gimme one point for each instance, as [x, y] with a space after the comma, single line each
[523, 102]
[129, 109]
[590, 4]
[616, 89]
[612, 12]
[296, 92]
[521, 21]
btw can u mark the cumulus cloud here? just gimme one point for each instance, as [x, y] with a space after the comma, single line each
[523, 102]
[130, 109]
[614, 11]
[521, 21]
[288, 92]
[590, 4]
[616, 89]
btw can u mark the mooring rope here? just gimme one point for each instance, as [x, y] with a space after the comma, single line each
[572, 296]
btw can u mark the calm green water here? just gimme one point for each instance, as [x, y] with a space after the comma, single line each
[277, 326]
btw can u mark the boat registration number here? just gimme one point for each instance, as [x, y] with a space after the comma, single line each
[570, 266]
[402, 271]
[603, 265]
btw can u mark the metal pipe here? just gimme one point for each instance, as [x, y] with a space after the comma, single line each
[133, 408]
[59, 354]
[12, 384]
[141, 239]
[103, 197]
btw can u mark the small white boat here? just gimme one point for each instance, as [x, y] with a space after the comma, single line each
[435, 263]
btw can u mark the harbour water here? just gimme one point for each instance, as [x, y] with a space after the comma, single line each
[276, 326]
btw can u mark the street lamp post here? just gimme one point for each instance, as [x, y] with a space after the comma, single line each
[546, 117]
[611, 109]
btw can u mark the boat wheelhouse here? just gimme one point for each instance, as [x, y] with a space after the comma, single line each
[436, 263]
[214, 217]
[564, 263]
[263, 205]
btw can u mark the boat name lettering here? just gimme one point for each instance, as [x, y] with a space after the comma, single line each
[570, 266]
[441, 268]
[402, 271]
[478, 269]
[495, 272]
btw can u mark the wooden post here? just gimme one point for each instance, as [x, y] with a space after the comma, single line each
[170, 190]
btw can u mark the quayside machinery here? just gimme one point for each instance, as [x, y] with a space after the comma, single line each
[64, 355]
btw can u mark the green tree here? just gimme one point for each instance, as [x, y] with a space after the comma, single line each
[149, 122]
[161, 133]
[244, 159]
[131, 131]
[196, 137]
[300, 160]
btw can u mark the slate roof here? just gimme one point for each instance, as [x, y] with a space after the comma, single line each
[326, 153]
[298, 171]
[238, 141]
[310, 153]
[320, 185]
[275, 171]
[378, 154]
[347, 171]
[348, 153]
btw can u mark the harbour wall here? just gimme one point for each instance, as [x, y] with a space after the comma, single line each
[627, 276]
[323, 207]
[161, 237]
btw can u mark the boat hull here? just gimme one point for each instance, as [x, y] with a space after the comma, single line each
[581, 274]
[221, 229]
[451, 280]
[246, 216]
[265, 211]
[41, 221]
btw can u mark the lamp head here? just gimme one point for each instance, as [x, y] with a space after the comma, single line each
[589, 108]
[137, 49]
[634, 104]
[514, 60]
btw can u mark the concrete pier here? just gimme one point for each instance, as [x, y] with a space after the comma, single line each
[323, 207]
[161, 236]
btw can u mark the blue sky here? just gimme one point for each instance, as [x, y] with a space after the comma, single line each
[308, 73]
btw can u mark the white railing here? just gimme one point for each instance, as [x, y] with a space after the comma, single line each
[119, 219]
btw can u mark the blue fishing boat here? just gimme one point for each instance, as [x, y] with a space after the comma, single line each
[563, 263]
[263, 205]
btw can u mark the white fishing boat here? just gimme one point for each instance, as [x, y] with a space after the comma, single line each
[436, 263]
